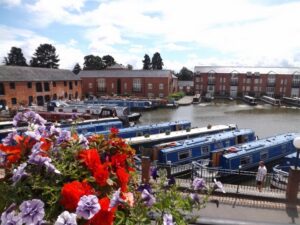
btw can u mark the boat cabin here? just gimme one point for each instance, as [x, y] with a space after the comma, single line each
[250, 100]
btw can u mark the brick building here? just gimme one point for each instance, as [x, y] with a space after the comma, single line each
[186, 86]
[26, 85]
[255, 81]
[140, 83]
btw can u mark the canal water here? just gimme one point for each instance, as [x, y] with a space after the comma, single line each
[264, 119]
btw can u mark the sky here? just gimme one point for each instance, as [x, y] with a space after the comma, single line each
[185, 32]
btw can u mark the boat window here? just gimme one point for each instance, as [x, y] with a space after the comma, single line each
[204, 150]
[218, 145]
[139, 134]
[184, 155]
[264, 155]
[227, 143]
[245, 160]
[162, 131]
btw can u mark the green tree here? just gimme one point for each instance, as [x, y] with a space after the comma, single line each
[92, 62]
[108, 60]
[129, 67]
[146, 62]
[157, 63]
[185, 74]
[15, 57]
[76, 68]
[45, 56]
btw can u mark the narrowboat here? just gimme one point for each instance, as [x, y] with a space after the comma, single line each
[186, 151]
[250, 100]
[208, 97]
[62, 116]
[131, 104]
[270, 100]
[146, 130]
[196, 99]
[149, 141]
[247, 156]
[291, 101]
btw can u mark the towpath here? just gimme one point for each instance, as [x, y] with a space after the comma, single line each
[186, 100]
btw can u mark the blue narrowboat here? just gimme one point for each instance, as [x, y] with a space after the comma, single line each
[145, 130]
[131, 104]
[247, 156]
[186, 151]
[141, 142]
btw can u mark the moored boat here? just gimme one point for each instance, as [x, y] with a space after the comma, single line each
[291, 101]
[270, 100]
[250, 100]
[196, 99]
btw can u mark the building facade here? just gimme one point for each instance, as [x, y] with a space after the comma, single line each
[32, 85]
[253, 81]
[140, 83]
[186, 86]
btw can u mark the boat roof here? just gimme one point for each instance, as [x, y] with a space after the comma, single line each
[213, 138]
[290, 156]
[178, 134]
[259, 145]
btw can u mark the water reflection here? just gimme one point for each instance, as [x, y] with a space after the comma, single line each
[264, 119]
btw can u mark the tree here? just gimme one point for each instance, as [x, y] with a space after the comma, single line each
[157, 62]
[45, 56]
[129, 67]
[92, 62]
[146, 62]
[185, 74]
[76, 68]
[108, 60]
[15, 57]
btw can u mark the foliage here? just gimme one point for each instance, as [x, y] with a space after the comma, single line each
[177, 95]
[157, 62]
[92, 62]
[45, 56]
[185, 74]
[129, 67]
[76, 69]
[15, 57]
[108, 60]
[146, 62]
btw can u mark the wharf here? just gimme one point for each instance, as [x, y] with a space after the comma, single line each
[186, 100]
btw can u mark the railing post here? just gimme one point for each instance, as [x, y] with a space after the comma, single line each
[293, 184]
[169, 166]
[238, 186]
[145, 169]
[192, 172]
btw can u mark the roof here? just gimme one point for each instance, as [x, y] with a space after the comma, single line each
[24, 73]
[245, 70]
[182, 83]
[125, 73]
[116, 66]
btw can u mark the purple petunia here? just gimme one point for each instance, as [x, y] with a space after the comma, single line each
[83, 141]
[66, 218]
[3, 157]
[18, 118]
[32, 211]
[19, 173]
[33, 117]
[148, 198]
[144, 186]
[198, 183]
[219, 185]
[9, 216]
[168, 219]
[115, 200]
[10, 138]
[88, 206]
[195, 198]
[64, 135]
[153, 172]
[171, 181]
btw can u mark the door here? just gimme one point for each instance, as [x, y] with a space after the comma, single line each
[119, 86]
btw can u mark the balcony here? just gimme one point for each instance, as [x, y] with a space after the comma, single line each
[101, 90]
[295, 84]
[234, 83]
[211, 82]
[271, 84]
[136, 90]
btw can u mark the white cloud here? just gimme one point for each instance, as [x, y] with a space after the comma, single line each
[10, 3]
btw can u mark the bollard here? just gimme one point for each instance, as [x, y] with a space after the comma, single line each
[293, 185]
[145, 169]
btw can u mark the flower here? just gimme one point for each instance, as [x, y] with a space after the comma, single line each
[13, 154]
[64, 135]
[90, 158]
[33, 117]
[148, 198]
[195, 198]
[168, 219]
[72, 192]
[144, 186]
[129, 198]
[19, 173]
[3, 157]
[83, 141]
[219, 185]
[119, 160]
[37, 159]
[9, 216]
[171, 181]
[198, 183]
[66, 218]
[32, 211]
[101, 174]
[10, 139]
[115, 200]
[153, 172]
[123, 178]
[114, 130]
[17, 119]
[88, 206]
[105, 216]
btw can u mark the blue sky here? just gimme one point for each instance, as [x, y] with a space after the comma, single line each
[186, 33]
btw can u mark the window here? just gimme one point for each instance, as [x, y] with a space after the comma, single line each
[245, 160]
[76, 83]
[46, 86]
[54, 84]
[70, 85]
[264, 155]
[161, 86]
[2, 91]
[47, 98]
[101, 85]
[150, 86]
[205, 150]
[13, 101]
[112, 85]
[65, 83]
[38, 87]
[150, 95]
[66, 94]
[90, 85]
[161, 95]
[197, 79]
[184, 155]
[136, 87]
[12, 85]
[30, 100]
[29, 84]
[125, 86]
[76, 94]
[219, 145]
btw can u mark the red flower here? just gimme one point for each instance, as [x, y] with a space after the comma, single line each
[101, 174]
[103, 217]
[114, 130]
[46, 144]
[90, 158]
[72, 192]
[13, 153]
[123, 178]
[119, 160]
